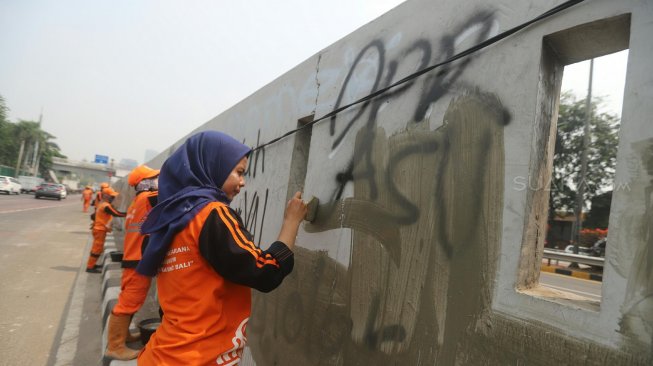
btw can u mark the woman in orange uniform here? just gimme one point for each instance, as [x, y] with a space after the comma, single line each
[205, 258]
[87, 194]
[134, 286]
[104, 214]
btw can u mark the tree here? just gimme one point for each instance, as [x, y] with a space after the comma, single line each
[31, 133]
[6, 142]
[28, 134]
[602, 154]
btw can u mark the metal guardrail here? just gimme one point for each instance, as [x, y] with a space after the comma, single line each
[578, 258]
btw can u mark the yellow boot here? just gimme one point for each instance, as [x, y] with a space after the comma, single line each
[117, 335]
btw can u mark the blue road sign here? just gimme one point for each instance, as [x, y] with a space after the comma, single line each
[101, 159]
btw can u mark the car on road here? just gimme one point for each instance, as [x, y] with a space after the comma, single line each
[9, 185]
[50, 190]
[596, 250]
[64, 192]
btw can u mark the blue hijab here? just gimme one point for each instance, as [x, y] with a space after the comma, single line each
[191, 178]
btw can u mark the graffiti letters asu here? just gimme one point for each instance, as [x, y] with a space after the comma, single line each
[426, 205]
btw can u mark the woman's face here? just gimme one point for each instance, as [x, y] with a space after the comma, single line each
[235, 180]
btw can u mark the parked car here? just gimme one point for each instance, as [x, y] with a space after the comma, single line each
[9, 185]
[596, 250]
[50, 190]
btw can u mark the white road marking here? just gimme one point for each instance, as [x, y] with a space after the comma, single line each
[37, 208]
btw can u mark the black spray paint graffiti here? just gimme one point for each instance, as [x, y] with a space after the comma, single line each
[251, 209]
[468, 150]
[436, 87]
[321, 317]
[363, 168]
[254, 157]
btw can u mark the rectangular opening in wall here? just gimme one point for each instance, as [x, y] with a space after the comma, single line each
[299, 161]
[581, 153]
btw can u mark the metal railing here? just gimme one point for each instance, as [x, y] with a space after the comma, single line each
[578, 258]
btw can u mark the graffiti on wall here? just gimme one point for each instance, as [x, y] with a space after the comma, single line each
[386, 296]
[407, 232]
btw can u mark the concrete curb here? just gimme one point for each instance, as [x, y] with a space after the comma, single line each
[574, 273]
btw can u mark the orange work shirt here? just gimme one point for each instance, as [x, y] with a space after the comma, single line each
[136, 213]
[104, 214]
[205, 314]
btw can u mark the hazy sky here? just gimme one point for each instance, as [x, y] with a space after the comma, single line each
[119, 77]
[608, 81]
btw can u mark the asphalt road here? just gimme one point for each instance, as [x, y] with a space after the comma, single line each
[42, 247]
[578, 286]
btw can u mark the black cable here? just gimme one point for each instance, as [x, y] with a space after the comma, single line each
[416, 74]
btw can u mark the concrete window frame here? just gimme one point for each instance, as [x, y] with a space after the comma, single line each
[518, 293]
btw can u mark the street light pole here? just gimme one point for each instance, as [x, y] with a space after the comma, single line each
[580, 185]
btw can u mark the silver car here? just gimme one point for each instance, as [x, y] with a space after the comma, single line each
[50, 190]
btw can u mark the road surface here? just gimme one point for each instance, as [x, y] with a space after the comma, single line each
[42, 247]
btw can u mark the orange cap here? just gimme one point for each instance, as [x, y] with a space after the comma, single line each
[139, 173]
[104, 185]
[110, 191]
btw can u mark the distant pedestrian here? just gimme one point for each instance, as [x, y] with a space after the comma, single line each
[87, 195]
[104, 214]
[206, 260]
[134, 286]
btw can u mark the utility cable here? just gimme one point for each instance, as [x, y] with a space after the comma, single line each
[416, 74]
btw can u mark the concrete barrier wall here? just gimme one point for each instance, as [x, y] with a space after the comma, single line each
[424, 249]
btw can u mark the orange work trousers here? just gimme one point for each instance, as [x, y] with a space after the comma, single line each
[133, 291]
[87, 203]
[98, 247]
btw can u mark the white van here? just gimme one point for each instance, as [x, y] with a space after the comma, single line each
[29, 183]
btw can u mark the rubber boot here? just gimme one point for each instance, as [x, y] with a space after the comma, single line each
[117, 336]
[132, 337]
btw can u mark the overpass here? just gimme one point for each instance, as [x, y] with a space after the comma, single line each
[84, 172]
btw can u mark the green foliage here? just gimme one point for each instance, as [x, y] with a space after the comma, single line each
[12, 135]
[6, 140]
[602, 153]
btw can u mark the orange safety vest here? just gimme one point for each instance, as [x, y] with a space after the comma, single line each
[205, 316]
[136, 213]
[102, 218]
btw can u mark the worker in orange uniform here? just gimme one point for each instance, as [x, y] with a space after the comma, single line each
[87, 195]
[98, 195]
[134, 286]
[104, 214]
[205, 260]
